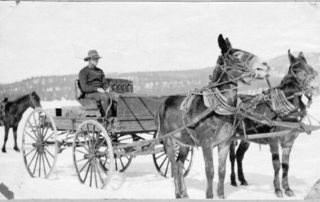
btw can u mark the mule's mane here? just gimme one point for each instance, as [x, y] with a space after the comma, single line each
[217, 71]
[21, 98]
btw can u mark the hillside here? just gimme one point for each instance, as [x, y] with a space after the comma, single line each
[153, 83]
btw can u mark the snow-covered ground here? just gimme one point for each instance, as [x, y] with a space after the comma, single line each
[141, 180]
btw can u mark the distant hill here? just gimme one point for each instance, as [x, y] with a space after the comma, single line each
[151, 83]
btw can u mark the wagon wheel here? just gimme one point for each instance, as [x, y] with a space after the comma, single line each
[163, 164]
[39, 144]
[123, 162]
[93, 154]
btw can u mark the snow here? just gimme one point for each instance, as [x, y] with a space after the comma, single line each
[141, 180]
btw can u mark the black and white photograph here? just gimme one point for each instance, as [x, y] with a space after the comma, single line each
[129, 100]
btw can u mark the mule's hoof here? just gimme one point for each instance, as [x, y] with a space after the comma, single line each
[4, 150]
[244, 183]
[209, 195]
[279, 193]
[221, 196]
[234, 183]
[16, 149]
[182, 196]
[289, 193]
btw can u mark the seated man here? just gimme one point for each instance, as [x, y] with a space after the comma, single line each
[93, 83]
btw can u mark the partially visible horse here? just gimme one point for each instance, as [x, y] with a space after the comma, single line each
[11, 114]
[214, 129]
[294, 85]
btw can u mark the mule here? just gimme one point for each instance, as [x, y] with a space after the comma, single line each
[12, 112]
[214, 129]
[295, 85]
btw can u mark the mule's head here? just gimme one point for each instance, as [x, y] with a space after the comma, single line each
[34, 100]
[241, 64]
[301, 71]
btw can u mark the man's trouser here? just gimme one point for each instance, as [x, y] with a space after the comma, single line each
[102, 98]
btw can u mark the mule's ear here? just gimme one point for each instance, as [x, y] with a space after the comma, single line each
[228, 44]
[301, 56]
[5, 99]
[292, 59]
[222, 44]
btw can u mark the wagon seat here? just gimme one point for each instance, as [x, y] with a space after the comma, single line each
[117, 85]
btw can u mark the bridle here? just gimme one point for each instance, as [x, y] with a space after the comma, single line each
[301, 83]
[303, 86]
[230, 64]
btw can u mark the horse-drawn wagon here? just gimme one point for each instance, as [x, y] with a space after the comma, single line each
[99, 144]
[141, 125]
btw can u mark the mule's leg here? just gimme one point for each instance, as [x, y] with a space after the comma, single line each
[285, 168]
[170, 152]
[16, 148]
[274, 148]
[182, 156]
[207, 151]
[223, 149]
[243, 147]
[232, 160]
[6, 133]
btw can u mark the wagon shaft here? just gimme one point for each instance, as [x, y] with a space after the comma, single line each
[267, 135]
[150, 149]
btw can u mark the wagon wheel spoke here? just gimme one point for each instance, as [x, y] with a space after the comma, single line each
[33, 131]
[45, 155]
[30, 151]
[30, 136]
[50, 136]
[81, 151]
[165, 173]
[86, 141]
[85, 177]
[165, 159]
[161, 154]
[99, 166]
[40, 155]
[35, 165]
[91, 174]
[95, 140]
[84, 166]
[32, 159]
[44, 167]
[95, 174]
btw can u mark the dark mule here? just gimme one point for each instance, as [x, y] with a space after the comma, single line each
[11, 114]
[214, 129]
[294, 85]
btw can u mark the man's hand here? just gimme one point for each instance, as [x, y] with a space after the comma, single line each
[101, 90]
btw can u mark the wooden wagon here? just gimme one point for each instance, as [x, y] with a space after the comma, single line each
[99, 145]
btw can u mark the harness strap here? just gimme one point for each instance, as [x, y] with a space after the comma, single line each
[189, 130]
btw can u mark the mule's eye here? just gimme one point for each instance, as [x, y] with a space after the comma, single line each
[237, 54]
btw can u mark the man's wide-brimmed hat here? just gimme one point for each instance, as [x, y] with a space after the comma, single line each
[92, 54]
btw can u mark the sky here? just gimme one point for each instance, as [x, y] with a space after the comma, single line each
[51, 38]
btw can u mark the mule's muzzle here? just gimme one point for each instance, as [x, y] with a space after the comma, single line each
[261, 70]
